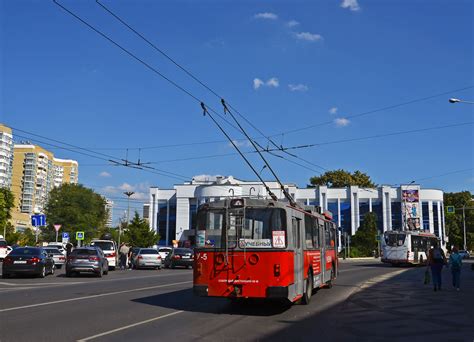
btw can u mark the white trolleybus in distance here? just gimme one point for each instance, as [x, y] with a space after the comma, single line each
[407, 247]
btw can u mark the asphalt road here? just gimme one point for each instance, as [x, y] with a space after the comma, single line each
[150, 305]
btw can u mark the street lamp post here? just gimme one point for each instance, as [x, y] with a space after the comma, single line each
[128, 194]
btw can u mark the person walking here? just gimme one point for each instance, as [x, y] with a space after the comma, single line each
[123, 252]
[436, 261]
[455, 263]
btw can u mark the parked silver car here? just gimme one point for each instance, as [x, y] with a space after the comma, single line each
[147, 257]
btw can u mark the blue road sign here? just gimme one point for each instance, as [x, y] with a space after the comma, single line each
[65, 235]
[38, 220]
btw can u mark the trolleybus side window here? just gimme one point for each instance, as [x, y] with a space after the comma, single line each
[296, 233]
[327, 234]
[308, 227]
[316, 237]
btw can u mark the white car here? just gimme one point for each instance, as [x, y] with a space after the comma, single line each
[59, 246]
[147, 257]
[164, 251]
[58, 257]
[110, 251]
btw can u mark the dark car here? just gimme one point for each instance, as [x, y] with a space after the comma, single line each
[28, 260]
[179, 257]
[464, 254]
[87, 260]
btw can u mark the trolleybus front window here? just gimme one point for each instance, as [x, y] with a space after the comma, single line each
[260, 225]
[210, 225]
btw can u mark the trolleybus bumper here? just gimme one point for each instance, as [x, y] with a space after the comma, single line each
[200, 290]
[277, 292]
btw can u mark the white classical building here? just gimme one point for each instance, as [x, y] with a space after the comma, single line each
[173, 211]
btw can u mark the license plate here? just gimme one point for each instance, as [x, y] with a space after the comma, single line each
[186, 257]
[19, 262]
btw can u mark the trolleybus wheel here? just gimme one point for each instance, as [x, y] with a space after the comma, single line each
[329, 283]
[421, 260]
[309, 289]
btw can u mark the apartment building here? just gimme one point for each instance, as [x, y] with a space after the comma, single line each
[35, 173]
[109, 207]
[6, 156]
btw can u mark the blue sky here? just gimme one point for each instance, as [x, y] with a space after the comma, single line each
[285, 65]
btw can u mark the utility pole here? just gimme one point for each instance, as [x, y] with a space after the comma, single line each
[128, 194]
[464, 225]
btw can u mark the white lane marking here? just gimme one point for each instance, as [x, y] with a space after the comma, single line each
[38, 284]
[128, 326]
[92, 296]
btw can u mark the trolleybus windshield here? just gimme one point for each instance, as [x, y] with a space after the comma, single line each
[394, 239]
[245, 227]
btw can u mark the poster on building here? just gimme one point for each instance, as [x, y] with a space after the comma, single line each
[410, 195]
[411, 214]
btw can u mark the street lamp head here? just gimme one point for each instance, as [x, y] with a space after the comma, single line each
[128, 193]
[453, 100]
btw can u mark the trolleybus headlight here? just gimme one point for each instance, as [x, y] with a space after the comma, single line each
[219, 259]
[253, 259]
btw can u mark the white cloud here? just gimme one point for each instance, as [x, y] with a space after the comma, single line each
[353, 5]
[273, 82]
[341, 122]
[105, 174]
[266, 15]
[298, 87]
[109, 189]
[292, 23]
[310, 37]
[126, 187]
[257, 83]
[140, 196]
[333, 110]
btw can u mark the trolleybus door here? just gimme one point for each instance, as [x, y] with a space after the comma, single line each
[298, 251]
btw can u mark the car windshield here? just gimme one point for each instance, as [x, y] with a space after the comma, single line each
[3, 244]
[84, 252]
[52, 251]
[148, 251]
[183, 251]
[26, 251]
[104, 245]
[167, 250]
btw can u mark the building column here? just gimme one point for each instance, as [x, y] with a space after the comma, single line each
[431, 216]
[386, 208]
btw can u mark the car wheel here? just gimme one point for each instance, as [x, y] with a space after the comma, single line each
[99, 274]
[68, 274]
[172, 265]
[5, 275]
[42, 273]
[106, 271]
[111, 268]
[52, 269]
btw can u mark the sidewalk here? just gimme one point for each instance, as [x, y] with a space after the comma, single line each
[402, 308]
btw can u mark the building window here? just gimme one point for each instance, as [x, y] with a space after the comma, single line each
[396, 216]
[378, 211]
[426, 215]
[346, 216]
[363, 209]
[435, 218]
[332, 207]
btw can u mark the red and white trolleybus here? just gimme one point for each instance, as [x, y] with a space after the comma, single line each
[261, 248]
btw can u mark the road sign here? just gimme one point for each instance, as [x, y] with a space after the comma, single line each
[38, 220]
[65, 235]
[79, 236]
[57, 227]
[450, 209]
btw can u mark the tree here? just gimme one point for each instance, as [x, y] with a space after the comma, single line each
[364, 242]
[75, 208]
[341, 178]
[454, 222]
[138, 233]
[6, 204]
